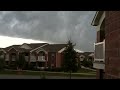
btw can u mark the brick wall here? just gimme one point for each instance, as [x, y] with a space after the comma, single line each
[59, 59]
[112, 39]
[51, 60]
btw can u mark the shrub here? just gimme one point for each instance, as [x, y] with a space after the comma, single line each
[86, 63]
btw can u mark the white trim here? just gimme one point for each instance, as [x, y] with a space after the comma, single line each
[97, 17]
[98, 43]
[100, 22]
[61, 50]
[41, 50]
[11, 48]
[96, 59]
[38, 47]
[96, 14]
[3, 50]
[98, 65]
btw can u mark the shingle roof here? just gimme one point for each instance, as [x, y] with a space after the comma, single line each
[54, 47]
[15, 46]
[35, 45]
[49, 47]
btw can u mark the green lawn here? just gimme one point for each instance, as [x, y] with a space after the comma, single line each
[80, 73]
[82, 70]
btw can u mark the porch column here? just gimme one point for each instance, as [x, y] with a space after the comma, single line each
[36, 59]
[46, 57]
[29, 58]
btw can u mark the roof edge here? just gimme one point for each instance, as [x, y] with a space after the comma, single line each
[96, 18]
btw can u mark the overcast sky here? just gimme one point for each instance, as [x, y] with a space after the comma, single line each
[49, 26]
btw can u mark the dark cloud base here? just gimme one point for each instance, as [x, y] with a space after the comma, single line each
[51, 26]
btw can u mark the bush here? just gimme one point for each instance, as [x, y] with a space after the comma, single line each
[86, 63]
[30, 67]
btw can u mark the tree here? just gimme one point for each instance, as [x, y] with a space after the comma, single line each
[70, 58]
[20, 61]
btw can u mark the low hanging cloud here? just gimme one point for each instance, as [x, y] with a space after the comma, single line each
[50, 26]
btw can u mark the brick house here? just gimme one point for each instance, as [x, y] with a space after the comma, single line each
[39, 54]
[107, 46]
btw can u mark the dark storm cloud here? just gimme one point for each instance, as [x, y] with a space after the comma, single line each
[52, 26]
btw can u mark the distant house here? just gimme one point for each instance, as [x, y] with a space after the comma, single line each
[86, 55]
[39, 54]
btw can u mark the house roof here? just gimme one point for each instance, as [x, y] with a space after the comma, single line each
[54, 47]
[96, 18]
[2, 49]
[35, 45]
[49, 47]
[14, 46]
[86, 53]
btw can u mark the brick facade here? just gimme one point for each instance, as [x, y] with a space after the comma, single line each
[112, 46]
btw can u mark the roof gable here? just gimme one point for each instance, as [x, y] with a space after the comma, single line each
[10, 47]
[25, 46]
[35, 45]
[2, 49]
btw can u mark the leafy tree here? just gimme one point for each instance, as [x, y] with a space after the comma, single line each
[70, 59]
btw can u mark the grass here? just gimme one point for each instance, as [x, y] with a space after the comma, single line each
[80, 73]
[82, 70]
